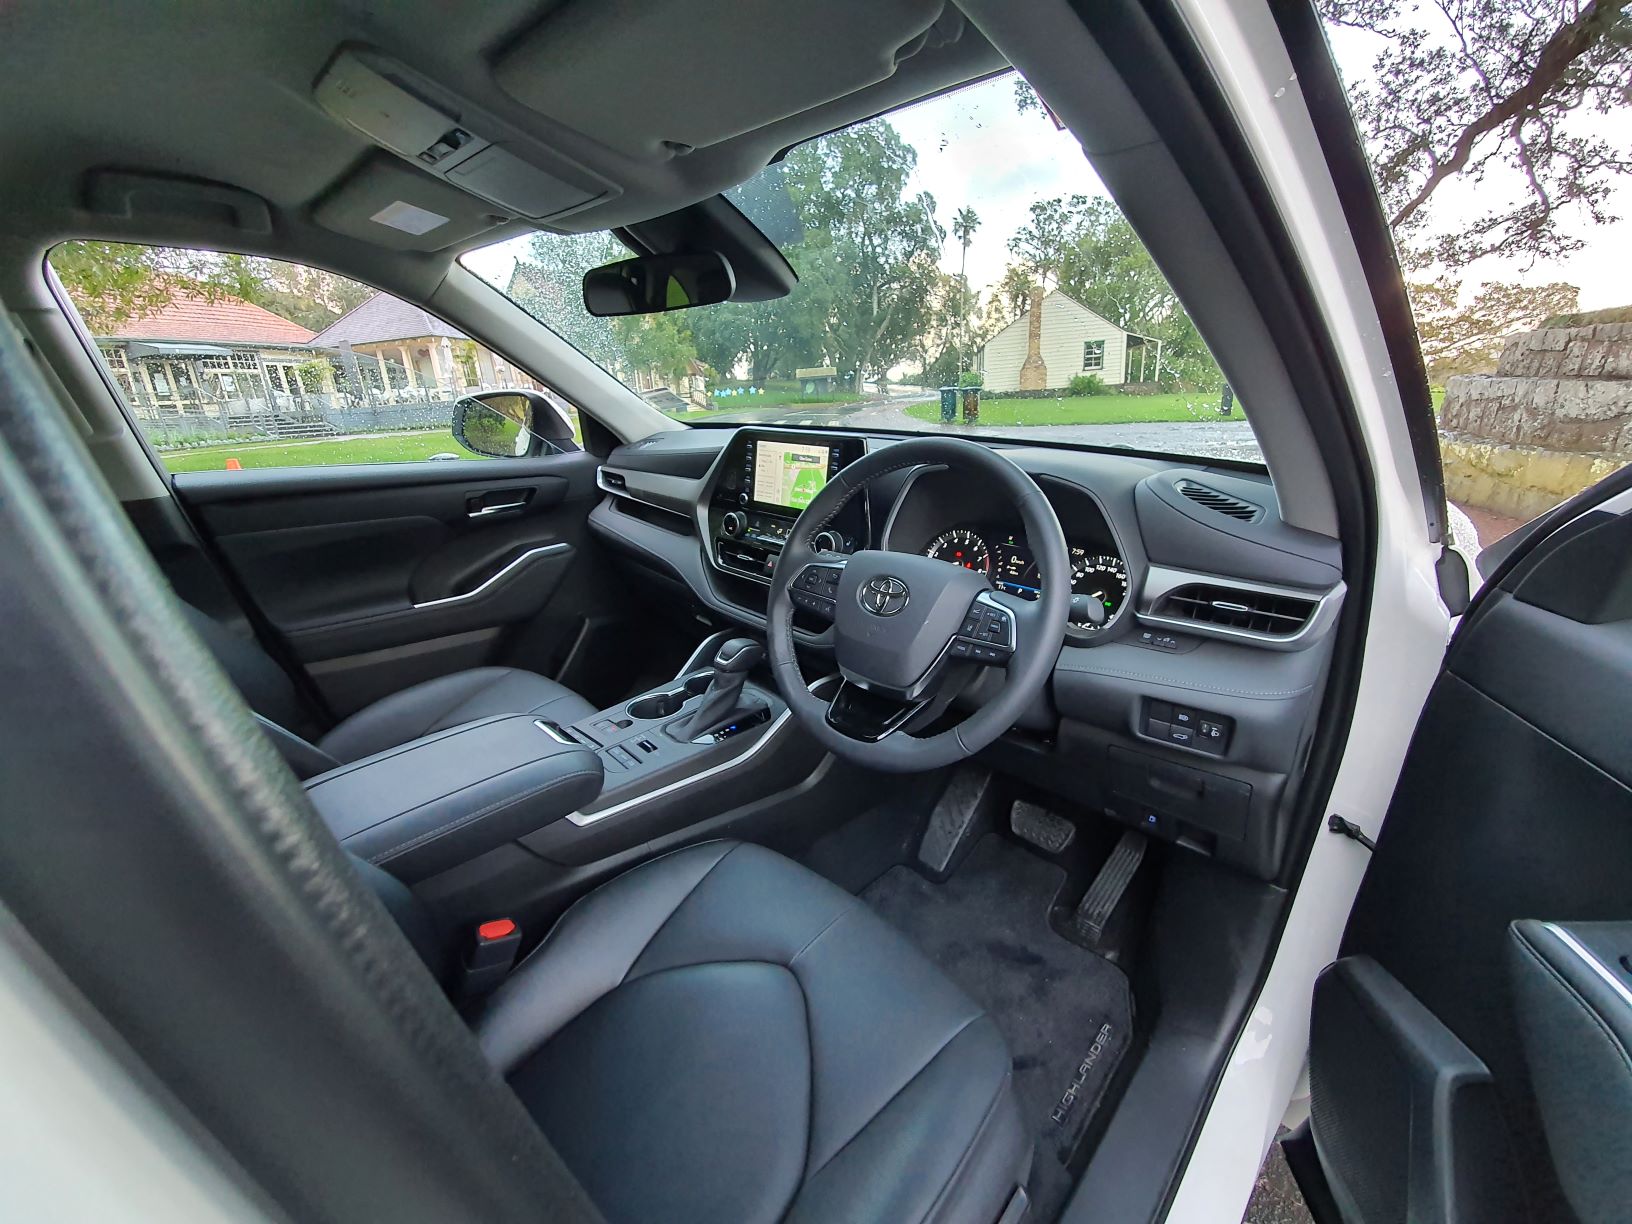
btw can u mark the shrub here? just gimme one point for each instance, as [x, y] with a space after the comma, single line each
[1087, 384]
[971, 378]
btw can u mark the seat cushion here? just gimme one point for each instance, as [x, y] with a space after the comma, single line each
[721, 1035]
[448, 701]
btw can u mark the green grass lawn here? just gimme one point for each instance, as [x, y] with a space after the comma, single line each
[1089, 410]
[368, 448]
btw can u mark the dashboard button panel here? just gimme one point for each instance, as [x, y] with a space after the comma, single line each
[1186, 727]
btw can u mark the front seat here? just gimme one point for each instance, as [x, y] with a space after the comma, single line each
[717, 1034]
[722, 1035]
[434, 705]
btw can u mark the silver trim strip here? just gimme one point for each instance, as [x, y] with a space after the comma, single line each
[585, 819]
[1161, 581]
[543, 550]
[1591, 961]
[506, 508]
[552, 732]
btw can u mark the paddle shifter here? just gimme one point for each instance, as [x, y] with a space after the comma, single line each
[732, 663]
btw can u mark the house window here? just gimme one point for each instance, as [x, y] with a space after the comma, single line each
[1093, 354]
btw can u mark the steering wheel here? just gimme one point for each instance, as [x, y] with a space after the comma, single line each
[909, 631]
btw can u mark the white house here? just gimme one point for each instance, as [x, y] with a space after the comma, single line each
[1075, 340]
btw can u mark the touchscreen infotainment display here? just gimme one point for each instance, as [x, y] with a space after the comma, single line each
[789, 474]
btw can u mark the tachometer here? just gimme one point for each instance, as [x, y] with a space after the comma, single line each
[1104, 578]
[962, 547]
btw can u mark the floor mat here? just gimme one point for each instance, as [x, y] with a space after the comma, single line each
[1067, 1014]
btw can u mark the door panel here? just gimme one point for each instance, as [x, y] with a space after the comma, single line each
[384, 575]
[1515, 803]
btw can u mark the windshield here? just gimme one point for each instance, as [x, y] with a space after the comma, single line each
[961, 270]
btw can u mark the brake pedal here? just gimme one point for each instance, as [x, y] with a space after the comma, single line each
[1042, 828]
[1099, 903]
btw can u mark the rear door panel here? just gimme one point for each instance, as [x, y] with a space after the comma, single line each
[1515, 802]
[378, 576]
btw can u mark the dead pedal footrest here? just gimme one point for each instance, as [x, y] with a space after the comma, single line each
[1041, 827]
[1105, 893]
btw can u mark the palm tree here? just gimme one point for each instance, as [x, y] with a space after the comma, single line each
[964, 225]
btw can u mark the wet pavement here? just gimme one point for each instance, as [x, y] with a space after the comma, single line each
[1208, 439]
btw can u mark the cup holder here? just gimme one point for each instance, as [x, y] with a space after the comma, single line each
[657, 705]
[661, 705]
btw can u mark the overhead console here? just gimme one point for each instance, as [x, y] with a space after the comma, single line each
[764, 480]
[451, 141]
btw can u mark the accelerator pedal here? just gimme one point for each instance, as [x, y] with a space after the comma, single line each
[1033, 823]
[1099, 903]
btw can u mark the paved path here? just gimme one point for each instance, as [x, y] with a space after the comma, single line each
[1208, 439]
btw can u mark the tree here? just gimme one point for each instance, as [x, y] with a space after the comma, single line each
[1467, 339]
[1040, 246]
[660, 343]
[548, 285]
[308, 296]
[111, 283]
[869, 254]
[964, 224]
[1465, 86]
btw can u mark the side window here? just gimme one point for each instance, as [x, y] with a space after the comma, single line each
[233, 361]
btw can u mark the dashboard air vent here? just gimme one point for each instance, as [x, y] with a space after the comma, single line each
[1276, 616]
[1221, 503]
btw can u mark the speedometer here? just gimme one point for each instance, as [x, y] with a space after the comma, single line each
[962, 547]
[1103, 577]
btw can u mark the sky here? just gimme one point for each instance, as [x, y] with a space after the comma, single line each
[975, 148]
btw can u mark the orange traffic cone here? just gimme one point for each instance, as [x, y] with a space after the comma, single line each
[234, 466]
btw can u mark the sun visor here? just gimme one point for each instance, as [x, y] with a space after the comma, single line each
[647, 77]
[386, 203]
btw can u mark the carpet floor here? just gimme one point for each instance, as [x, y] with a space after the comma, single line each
[1067, 1013]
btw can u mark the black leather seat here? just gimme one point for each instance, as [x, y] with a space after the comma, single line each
[721, 1035]
[420, 709]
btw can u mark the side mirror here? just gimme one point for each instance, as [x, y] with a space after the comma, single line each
[652, 284]
[505, 424]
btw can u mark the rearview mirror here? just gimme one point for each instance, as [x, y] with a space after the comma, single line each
[505, 424]
[651, 284]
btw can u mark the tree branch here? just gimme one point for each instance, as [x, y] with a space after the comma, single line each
[1568, 44]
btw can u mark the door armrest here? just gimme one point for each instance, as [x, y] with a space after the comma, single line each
[1574, 1001]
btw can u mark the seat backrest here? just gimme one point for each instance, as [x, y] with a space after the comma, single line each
[264, 685]
[160, 854]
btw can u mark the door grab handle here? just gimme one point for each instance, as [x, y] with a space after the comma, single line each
[505, 508]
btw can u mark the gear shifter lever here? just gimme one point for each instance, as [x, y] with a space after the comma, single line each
[732, 663]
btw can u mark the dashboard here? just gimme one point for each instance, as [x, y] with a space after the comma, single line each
[1183, 713]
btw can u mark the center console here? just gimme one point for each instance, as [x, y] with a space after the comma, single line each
[674, 755]
[765, 479]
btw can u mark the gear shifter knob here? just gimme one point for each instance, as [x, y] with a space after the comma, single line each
[732, 663]
[738, 655]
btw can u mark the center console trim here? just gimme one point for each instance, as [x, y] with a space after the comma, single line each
[771, 732]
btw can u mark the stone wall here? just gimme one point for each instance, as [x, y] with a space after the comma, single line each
[1554, 418]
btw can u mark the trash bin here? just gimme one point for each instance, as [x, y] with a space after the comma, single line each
[971, 405]
[1226, 400]
[949, 404]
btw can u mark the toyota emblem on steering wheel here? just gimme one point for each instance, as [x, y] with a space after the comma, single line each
[883, 596]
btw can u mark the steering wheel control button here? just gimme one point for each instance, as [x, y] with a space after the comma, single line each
[884, 595]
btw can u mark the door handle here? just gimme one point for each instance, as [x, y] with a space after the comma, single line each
[501, 508]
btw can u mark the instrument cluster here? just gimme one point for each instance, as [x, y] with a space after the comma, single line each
[1006, 560]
